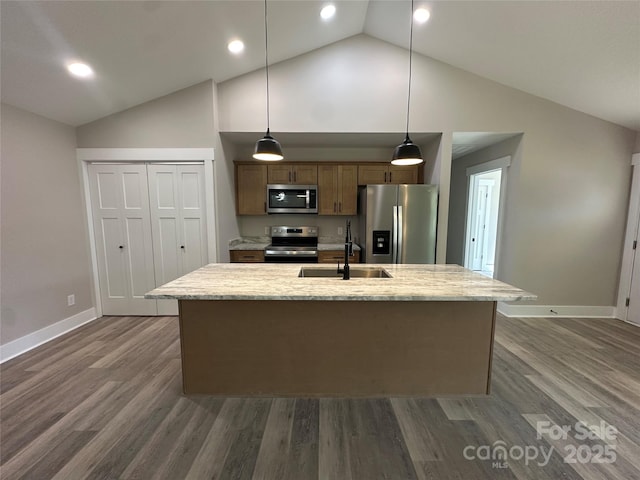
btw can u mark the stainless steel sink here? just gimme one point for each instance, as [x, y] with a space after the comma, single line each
[354, 272]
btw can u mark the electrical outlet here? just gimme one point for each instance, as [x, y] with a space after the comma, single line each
[71, 300]
[266, 230]
[340, 231]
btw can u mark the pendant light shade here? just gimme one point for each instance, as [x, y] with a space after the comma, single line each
[408, 153]
[267, 148]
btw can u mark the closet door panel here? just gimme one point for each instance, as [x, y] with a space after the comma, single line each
[120, 208]
[192, 216]
[115, 278]
[194, 253]
[168, 264]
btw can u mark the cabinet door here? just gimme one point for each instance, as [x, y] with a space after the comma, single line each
[337, 256]
[251, 189]
[279, 174]
[305, 174]
[246, 256]
[347, 190]
[399, 175]
[372, 174]
[327, 189]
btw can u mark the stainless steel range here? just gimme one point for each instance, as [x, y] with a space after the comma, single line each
[292, 245]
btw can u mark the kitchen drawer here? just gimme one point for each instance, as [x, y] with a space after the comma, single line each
[246, 256]
[337, 256]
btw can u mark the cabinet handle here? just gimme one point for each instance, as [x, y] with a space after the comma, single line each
[339, 206]
[385, 177]
[295, 176]
[390, 173]
[289, 177]
[265, 207]
[120, 247]
[334, 207]
[182, 247]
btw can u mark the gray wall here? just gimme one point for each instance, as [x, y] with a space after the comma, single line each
[181, 119]
[564, 232]
[44, 239]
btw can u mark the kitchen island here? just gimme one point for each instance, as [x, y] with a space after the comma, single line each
[263, 330]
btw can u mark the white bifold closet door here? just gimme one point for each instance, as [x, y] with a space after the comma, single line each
[120, 204]
[150, 228]
[176, 196]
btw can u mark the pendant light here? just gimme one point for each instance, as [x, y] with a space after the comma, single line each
[408, 153]
[267, 148]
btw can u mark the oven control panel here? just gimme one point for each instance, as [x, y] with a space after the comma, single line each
[284, 231]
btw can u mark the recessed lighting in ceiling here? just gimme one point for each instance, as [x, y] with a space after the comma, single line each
[81, 70]
[236, 46]
[421, 15]
[328, 12]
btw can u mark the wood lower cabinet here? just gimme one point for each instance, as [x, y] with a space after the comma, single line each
[389, 174]
[283, 174]
[337, 256]
[246, 256]
[337, 189]
[251, 189]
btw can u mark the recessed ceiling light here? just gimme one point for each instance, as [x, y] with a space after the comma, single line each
[236, 46]
[81, 70]
[421, 15]
[328, 11]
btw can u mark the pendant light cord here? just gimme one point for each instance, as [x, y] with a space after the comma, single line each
[410, 55]
[266, 58]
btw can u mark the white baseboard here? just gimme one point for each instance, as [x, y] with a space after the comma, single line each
[561, 311]
[28, 342]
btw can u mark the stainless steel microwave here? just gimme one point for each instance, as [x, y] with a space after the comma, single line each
[292, 199]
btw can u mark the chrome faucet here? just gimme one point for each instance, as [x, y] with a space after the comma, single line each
[348, 251]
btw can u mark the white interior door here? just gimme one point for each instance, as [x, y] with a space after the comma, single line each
[479, 225]
[482, 221]
[120, 207]
[178, 223]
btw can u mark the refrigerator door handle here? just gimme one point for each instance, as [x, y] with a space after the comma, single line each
[394, 236]
[400, 228]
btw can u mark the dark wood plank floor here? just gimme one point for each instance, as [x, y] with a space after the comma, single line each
[105, 402]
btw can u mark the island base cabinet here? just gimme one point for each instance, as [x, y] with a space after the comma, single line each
[336, 349]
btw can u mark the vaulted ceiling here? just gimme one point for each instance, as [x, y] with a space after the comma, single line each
[582, 54]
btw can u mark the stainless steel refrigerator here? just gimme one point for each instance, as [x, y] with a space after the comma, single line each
[397, 223]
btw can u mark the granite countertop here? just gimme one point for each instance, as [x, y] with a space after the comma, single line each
[269, 281]
[249, 243]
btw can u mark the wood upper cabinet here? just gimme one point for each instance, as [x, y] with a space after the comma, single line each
[383, 173]
[337, 189]
[399, 175]
[284, 174]
[251, 189]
